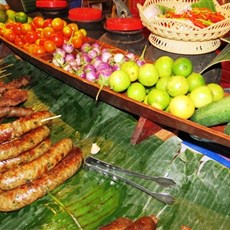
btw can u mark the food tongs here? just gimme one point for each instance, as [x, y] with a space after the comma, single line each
[115, 173]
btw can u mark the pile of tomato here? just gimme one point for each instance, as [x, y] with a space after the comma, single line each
[41, 36]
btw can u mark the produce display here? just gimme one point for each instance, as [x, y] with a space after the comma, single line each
[38, 35]
[165, 84]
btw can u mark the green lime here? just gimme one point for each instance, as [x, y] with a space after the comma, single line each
[217, 90]
[3, 16]
[177, 85]
[119, 81]
[195, 80]
[182, 66]
[201, 96]
[131, 68]
[136, 91]
[162, 82]
[11, 14]
[148, 75]
[158, 98]
[164, 66]
[21, 17]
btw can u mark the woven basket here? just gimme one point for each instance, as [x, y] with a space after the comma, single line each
[181, 36]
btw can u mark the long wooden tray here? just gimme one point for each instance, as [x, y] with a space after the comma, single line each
[121, 101]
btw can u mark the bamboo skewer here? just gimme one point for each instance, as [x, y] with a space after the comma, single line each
[50, 118]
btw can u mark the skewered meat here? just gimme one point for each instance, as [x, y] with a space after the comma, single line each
[15, 84]
[26, 157]
[34, 169]
[26, 194]
[11, 130]
[13, 97]
[15, 112]
[143, 223]
[28, 141]
[118, 224]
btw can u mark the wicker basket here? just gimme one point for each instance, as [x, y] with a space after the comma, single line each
[184, 37]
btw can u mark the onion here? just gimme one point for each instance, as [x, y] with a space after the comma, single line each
[130, 56]
[59, 52]
[58, 61]
[92, 54]
[69, 57]
[89, 68]
[106, 55]
[91, 76]
[68, 47]
[102, 65]
[119, 58]
[85, 58]
[86, 47]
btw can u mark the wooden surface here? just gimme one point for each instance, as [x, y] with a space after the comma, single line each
[121, 101]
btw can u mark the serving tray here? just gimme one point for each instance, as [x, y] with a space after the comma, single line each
[121, 101]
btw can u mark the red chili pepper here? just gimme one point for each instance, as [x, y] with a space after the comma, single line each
[197, 23]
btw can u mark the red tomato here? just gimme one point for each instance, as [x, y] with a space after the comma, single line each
[9, 34]
[26, 27]
[58, 38]
[38, 21]
[17, 28]
[10, 25]
[49, 46]
[48, 31]
[77, 42]
[47, 22]
[74, 26]
[79, 34]
[57, 24]
[19, 42]
[67, 31]
[31, 36]
[37, 50]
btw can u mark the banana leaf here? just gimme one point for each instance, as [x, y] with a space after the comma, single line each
[223, 56]
[89, 199]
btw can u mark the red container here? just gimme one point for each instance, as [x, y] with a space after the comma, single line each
[133, 7]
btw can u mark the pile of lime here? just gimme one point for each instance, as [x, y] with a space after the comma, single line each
[10, 15]
[166, 84]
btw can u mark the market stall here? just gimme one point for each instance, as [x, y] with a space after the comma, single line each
[125, 133]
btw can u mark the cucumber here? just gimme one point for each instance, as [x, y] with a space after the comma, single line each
[215, 113]
[227, 129]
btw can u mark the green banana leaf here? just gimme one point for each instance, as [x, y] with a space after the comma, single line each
[205, 4]
[224, 55]
[89, 199]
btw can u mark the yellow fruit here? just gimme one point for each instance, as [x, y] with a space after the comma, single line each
[182, 106]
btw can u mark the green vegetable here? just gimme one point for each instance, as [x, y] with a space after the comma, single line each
[227, 129]
[215, 113]
[205, 4]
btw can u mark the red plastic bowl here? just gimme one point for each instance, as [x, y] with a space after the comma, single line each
[123, 24]
[85, 14]
[51, 4]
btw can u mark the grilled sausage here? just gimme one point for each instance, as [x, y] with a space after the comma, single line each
[26, 194]
[34, 169]
[28, 141]
[15, 111]
[143, 223]
[26, 157]
[118, 224]
[15, 129]
[13, 97]
[15, 84]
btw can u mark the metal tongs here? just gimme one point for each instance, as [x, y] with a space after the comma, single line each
[113, 171]
[122, 9]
